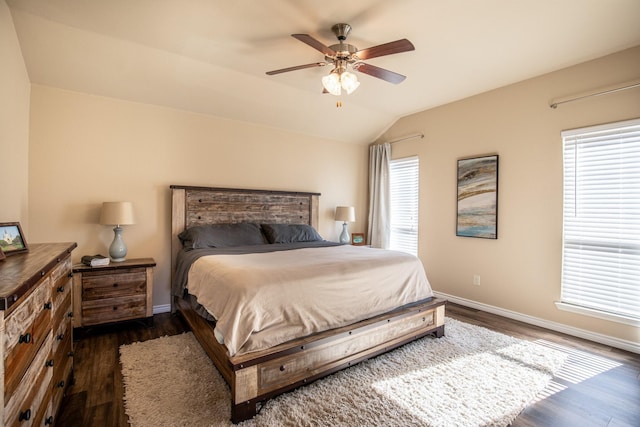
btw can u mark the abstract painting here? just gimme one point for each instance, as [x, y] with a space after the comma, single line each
[478, 197]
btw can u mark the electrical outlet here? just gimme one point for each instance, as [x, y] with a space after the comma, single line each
[476, 279]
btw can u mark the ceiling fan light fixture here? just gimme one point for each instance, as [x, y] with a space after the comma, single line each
[338, 80]
[332, 83]
[345, 56]
[349, 82]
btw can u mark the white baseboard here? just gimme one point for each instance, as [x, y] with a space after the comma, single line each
[554, 326]
[164, 308]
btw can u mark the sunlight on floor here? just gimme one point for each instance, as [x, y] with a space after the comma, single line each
[477, 388]
[580, 366]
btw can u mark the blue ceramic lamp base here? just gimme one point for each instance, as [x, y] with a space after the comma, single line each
[344, 236]
[117, 250]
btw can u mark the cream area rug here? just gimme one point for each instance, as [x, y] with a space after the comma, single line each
[470, 377]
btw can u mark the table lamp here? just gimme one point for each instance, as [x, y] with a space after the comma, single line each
[345, 214]
[117, 213]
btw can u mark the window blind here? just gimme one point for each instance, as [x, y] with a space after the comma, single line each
[403, 180]
[601, 230]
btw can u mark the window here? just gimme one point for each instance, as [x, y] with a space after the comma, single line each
[601, 231]
[403, 179]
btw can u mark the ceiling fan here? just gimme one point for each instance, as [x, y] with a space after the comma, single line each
[345, 56]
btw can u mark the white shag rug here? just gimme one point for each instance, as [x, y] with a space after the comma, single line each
[470, 377]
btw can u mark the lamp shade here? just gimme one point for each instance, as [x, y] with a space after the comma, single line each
[345, 213]
[117, 213]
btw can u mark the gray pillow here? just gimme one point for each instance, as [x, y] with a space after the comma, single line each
[222, 235]
[290, 233]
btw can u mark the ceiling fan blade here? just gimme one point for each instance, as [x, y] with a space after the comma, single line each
[378, 72]
[306, 38]
[297, 67]
[390, 48]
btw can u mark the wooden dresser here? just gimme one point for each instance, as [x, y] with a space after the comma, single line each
[35, 333]
[112, 293]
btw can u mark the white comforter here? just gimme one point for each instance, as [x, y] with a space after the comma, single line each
[261, 300]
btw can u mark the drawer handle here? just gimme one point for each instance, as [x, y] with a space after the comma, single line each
[48, 305]
[49, 420]
[70, 314]
[60, 337]
[70, 274]
[49, 363]
[115, 285]
[61, 289]
[25, 339]
[115, 308]
[25, 416]
[61, 384]
[70, 354]
[282, 368]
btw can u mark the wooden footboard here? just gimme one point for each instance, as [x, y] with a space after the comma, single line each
[258, 376]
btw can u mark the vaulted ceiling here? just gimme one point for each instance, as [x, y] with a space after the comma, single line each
[210, 56]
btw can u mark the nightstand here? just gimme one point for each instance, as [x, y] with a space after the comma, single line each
[113, 293]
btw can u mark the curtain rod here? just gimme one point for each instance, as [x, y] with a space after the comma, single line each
[417, 135]
[604, 91]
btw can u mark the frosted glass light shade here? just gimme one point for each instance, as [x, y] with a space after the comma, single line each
[349, 82]
[336, 81]
[332, 83]
[117, 213]
[345, 213]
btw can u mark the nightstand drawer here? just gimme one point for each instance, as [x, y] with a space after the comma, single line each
[100, 285]
[113, 309]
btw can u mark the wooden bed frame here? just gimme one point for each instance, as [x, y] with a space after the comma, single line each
[258, 376]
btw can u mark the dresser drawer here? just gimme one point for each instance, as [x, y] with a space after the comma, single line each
[28, 402]
[62, 313]
[61, 286]
[25, 331]
[62, 332]
[104, 284]
[63, 362]
[62, 270]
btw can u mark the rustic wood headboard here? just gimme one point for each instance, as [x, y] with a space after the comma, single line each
[205, 205]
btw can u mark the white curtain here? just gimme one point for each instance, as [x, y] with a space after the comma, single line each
[379, 196]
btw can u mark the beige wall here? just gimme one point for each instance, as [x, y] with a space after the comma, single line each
[87, 149]
[14, 124]
[77, 150]
[520, 271]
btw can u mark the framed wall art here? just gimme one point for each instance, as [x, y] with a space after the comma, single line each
[12, 239]
[357, 239]
[477, 207]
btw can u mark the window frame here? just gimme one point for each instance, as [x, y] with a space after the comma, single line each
[410, 224]
[586, 213]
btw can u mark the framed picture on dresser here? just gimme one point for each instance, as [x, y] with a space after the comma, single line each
[12, 240]
[2, 255]
[357, 239]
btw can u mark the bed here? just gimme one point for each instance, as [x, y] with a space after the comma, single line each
[256, 369]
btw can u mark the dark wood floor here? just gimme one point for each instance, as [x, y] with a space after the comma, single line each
[598, 386]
